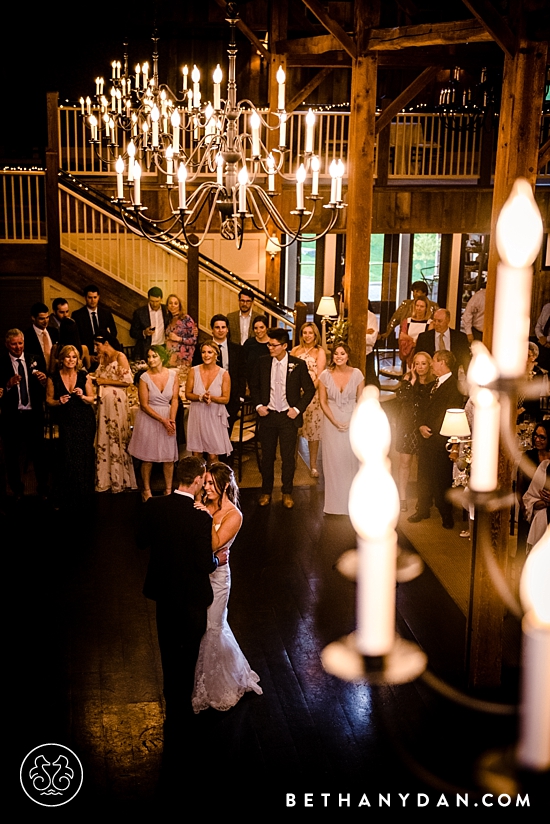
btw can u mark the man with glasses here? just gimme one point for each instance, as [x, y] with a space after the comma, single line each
[281, 391]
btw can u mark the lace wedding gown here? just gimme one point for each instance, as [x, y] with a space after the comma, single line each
[222, 674]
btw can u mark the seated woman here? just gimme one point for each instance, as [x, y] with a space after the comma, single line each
[69, 336]
[114, 467]
[70, 389]
[154, 437]
[208, 388]
[411, 328]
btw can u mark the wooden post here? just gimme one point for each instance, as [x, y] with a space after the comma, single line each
[52, 195]
[193, 280]
[517, 155]
[383, 151]
[360, 174]
[300, 317]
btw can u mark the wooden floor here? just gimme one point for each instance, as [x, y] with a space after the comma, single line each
[87, 670]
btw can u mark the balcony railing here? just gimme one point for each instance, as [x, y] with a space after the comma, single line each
[23, 214]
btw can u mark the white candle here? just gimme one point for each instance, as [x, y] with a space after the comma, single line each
[243, 180]
[119, 179]
[81, 105]
[113, 70]
[96, 87]
[155, 123]
[255, 127]
[210, 124]
[219, 169]
[88, 105]
[270, 173]
[175, 120]
[333, 173]
[189, 100]
[281, 88]
[182, 177]
[93, 123]
[315, 166]
[113, 99]
[217, 77]
[533, 750]
[119, 101]
[145, 74]
[137, 181]
[169, 165]
[185, 72]
[106, 120]
[138, 72]
[310, 123]
[195, 77]
[484, 468]
[134, 124]
[340, 174]
[300, 177]
[131, 155]
[101, 84]
[518, 237]
[282, 131]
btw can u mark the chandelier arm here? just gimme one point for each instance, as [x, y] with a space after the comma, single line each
[206, 229]
[459, 697]
[264, 122]
[146, 228]
[277, 218]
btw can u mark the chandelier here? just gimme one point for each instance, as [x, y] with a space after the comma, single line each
[462, 106]
[222, 143]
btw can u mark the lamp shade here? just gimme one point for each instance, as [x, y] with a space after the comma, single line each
[272, 247]
[455, 424]
[327, 307]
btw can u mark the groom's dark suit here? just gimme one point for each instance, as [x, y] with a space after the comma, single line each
[178, 579]
[277, 425]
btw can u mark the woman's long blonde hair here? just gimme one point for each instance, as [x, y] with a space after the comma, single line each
[316, 332]
[68, 350]
[429, 375]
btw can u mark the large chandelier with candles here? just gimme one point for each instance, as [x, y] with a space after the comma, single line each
[186, 141]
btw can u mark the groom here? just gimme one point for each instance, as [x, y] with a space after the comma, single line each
[281, 391]
[178, 579]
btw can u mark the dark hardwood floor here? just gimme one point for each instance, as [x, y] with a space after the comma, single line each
[87, 672]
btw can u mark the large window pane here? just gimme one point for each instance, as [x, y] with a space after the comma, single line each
[425, 265]
[375, 267]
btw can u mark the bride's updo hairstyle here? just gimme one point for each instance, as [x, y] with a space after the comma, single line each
[224, 481]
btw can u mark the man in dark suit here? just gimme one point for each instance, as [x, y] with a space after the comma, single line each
[281, 391]
[178, 579]
[92, 318]
[241, 323]
[149, 323]
[443, 337]
[22, 418]
[231, 359]
[61, 310]
[39, 339]
[435, 469]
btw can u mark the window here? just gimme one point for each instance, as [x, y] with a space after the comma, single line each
[425, 262]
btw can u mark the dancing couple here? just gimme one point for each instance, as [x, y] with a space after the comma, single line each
[190, 580]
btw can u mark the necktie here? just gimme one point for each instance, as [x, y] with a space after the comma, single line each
[46, 345]
[441, 346]
[95, 323]
[434, 387]
[23, 390]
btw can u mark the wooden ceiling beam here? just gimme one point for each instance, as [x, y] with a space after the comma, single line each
[308, 45]
[428, 34]
[304, 93]
[405, 97]
[333, 59]
[241, 25]
[544, 154]
[332, 26]
[494, 23]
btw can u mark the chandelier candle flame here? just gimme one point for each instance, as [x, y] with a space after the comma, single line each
[169, 133]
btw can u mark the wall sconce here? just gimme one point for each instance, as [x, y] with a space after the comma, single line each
[327, 309]
[272, 246]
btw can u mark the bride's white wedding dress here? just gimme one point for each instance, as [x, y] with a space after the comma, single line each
[222, 674]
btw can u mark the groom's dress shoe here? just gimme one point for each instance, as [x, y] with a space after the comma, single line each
[417, 517]
[264, 500]
[288, 503]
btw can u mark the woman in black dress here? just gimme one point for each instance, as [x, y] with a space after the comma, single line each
[411, 393]
[70, 389]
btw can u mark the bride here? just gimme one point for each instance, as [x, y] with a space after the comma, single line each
[222, 674]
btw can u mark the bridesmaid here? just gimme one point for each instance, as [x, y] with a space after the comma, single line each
[312, 352]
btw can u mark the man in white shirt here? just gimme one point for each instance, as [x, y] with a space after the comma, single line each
[474, 316]
[241, 322]
[149, 323]
[371, 378]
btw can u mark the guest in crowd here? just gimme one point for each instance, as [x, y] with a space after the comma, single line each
[241, 323]
[411, 394]
[38, 338]
[474, 315]
[419, 289]
[208, 389]
[542, 333]
[149, 323]
[181, 333]
[441, 337]
[537, 504]
[435, 469]
[530, 408]
[539, 452]
[68, 336]
[93, 318]
[60, 307]
[411, 328]
[371, 378]
[114, 467]
[22, 386]
[256, 346]
[70, 388]
[154, 437]
[311, 351]
[340, 387]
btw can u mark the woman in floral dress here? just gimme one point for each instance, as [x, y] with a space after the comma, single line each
[114, 467]
[181, 333]
[312, 352]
